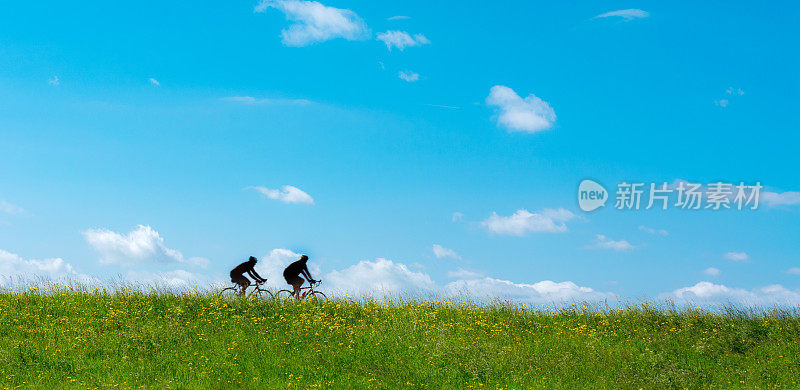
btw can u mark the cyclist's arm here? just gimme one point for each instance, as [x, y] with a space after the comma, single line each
[253, 274]
[307, 274]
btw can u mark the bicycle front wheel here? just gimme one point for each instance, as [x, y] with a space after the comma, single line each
[262, 294]
[316, 297]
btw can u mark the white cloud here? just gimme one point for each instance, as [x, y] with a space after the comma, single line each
[9, 208]
[402, 39]
[604, 242]
[408, 75]
[773, 199]
[141, 245]
[736, 256]
[793, 271]
[710, 293]
[315, 22]
[175, 279]
[462, 273]
[711, 271]
[154, 82]
[441, 252]
[721, 103]
[541, 292]
[287, 194]
[255, 101]
[13, 267]
[734, 91]
[457, 216]
[54, 81]
[398, 17]
[530, 115]
[523, 221]
[381, 277]
[626, 14]
[660, 232]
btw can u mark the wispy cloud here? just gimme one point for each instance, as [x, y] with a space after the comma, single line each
[530, 115]
[141, 245]
[287, 194]
[154, 82]
[774, 199]
[442, 253]
[9, 208]
[457, 216]
[603, 242]
[402, 39]
[254, 101]
[660, 232]
[793, 271]
[54, 81]
[314, 22]
[736, 256]
[711, 271]
[408, 75]
[398, 17]
[523, 221]
[625, 14]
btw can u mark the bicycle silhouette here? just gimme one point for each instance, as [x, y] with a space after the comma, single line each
[257, 291]
[308, 293]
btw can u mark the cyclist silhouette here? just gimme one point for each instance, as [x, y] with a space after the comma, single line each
[293, 271]
[237, 274]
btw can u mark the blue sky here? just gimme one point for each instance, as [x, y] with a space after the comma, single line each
[188, 119]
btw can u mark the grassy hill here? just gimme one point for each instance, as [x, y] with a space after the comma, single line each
[95, 339]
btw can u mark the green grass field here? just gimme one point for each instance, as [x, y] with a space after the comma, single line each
[96, 339]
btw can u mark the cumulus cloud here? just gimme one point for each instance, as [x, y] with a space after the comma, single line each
[603, 242]
[9, 208]
[625, 14]
[408, 75]
[710, 293]
[736, 256]
[250, 100]
[442, 253]
[773, 199]
[13, 266]
[660, 232]
[523, 221]
[141, 245]
[402, 39]
[314, 22]
[711, 271]
[541, 292]
[381, 277]
[154, 82]
[530, 114]
[287, 194]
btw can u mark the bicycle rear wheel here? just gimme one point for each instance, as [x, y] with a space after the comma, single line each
[229, 293]
[284, 295]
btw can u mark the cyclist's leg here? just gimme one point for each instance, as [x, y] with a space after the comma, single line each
[242, 281]
[296, 282]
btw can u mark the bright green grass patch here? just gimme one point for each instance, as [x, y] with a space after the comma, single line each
[169, 340]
